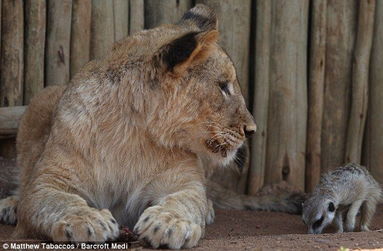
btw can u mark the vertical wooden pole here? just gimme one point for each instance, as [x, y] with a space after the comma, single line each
[11, 62]
[317, 59]
[360, 72]
[80, 35]
[136, 16]
[34, 45]
[164, 12]
[340, 36]
[57, 66]
[12, 57]
[102, 32]
[374, 143]
[121, 19]
[287, 120]
[261, 94]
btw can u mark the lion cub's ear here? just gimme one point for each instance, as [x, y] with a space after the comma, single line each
[190, 49]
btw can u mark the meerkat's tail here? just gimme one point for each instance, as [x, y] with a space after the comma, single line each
[288, 202]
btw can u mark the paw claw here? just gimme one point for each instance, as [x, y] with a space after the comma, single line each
[159, 227]
[91, 226]
[211, 213]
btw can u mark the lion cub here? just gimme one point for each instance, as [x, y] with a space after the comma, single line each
[341, 193]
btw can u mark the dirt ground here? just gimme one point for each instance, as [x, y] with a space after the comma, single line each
[247, 230]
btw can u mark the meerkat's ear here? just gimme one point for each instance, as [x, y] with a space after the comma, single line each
[189, 49]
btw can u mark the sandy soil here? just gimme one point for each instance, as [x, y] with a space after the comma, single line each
[245, 230]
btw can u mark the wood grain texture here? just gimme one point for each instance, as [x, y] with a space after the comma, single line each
[57, 59]
[102, 28]
[374, 142]
[12, 56]
[261, 95]
[80, 35]
[136, 16]
[121, 19]
[360, 77]
[34, 46]
[9, 119]
[234, 28]
[287, 120]
[341, 26]
[317, 60]
[164, 11]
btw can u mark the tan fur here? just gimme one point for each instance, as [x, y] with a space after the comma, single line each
[124, 143]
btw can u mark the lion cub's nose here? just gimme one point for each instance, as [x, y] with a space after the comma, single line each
[250, 129]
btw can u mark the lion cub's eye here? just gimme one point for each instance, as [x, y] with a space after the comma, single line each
[225, 88]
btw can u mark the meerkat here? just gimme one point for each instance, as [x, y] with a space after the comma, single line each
[338, 198]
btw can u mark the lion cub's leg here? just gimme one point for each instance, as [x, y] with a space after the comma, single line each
[50, 207]
[8, 207]
[177, 219]
[63, 216]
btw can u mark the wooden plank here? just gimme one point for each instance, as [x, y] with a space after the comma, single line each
[360, 77]
[164, 12]
[317, 59]
[121, 19]
[80, 35]
[341, 26]
[261, 95]
[234, 28]
[286, 138]
[10, 118]
[374, 142]
[12, 57]
[35, 24]
[136, 16]
[57, 66]
[102, 28]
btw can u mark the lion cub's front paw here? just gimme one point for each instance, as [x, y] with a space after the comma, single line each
[90, 225]
[159, 226]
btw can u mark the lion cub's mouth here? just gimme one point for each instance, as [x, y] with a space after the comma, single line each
[215, 146]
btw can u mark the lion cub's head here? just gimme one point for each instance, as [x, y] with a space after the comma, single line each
[190, 90]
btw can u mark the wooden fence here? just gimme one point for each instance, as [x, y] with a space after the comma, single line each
[311, 71]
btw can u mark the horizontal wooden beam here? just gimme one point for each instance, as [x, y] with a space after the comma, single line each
[9, 120]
